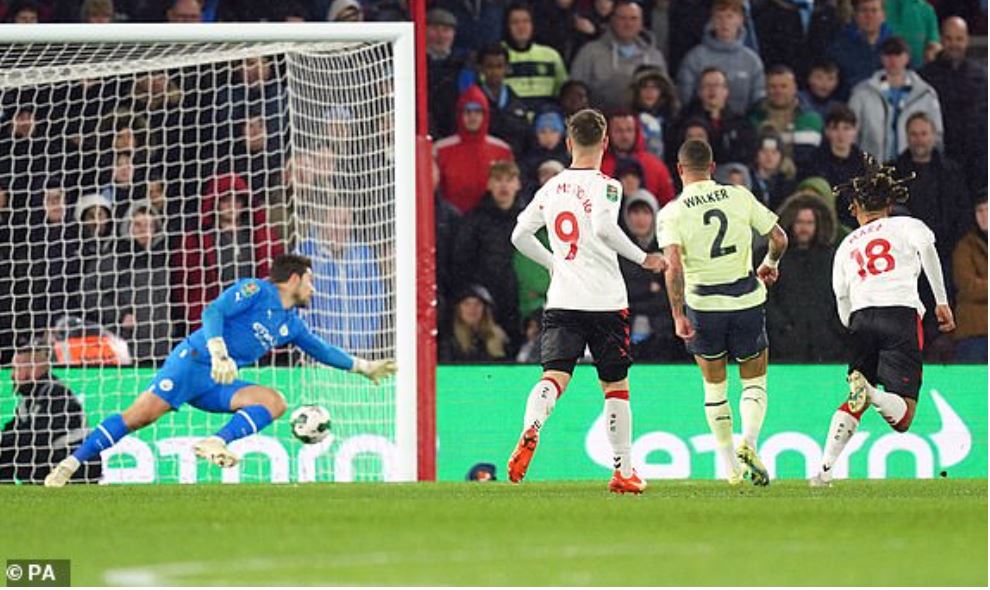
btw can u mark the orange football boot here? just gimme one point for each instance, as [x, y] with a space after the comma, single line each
[519, 461]
[626, 485]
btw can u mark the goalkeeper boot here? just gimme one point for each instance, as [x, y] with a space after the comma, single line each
[519, 461]
[214, 450]
[757, 472]
[858, 392]
[626, 485]
[62, 472]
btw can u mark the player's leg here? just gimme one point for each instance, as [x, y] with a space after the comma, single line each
[254, 407]
[899, 367]
[748, 345]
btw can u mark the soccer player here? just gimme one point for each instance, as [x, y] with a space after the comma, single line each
[875, 279]
[586, 301]
[248, 319]
[716, 300]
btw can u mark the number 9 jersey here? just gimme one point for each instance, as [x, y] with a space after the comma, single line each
[878, 265]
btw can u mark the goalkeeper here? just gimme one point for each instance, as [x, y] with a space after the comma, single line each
[242, 325]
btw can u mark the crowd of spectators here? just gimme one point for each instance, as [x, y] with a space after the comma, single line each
[789, 93]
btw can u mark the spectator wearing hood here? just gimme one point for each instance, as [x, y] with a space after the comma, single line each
[483, 251]
[625, 140]
[479, 22]
[773, 172]
[802, 320]
[794, 32]
[731, 135]
[969, 268]
[130, 292]
[856, 49]
[475, 336]
[798, 126]
[549, 144]
[465, 157]
[536, 72]
[651, 329]
[97, 241]
[722, 46]
[509, 118]
[607, 64]
[345, 11]
[233, 241]
[884, 103]
[655, 102]
[445, 65]
[839, 159]
[734, 173]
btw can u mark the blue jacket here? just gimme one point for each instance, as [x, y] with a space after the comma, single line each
[856, 57]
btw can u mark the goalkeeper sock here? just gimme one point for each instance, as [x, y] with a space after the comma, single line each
[619, 429]
[719, 416]
[105, 435]
[245, 422]
[891, 406]
[540, 404]
[843, 427]
[753, 407]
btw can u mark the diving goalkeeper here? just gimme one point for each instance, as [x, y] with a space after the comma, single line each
[248, 319]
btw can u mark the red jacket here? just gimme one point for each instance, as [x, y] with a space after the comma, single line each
[196, 277]
[656, 177]
[464, 158]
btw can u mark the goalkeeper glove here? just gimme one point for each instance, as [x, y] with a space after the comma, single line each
[223, 368]
[374, 370]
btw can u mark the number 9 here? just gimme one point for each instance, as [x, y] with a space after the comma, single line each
[566, 228]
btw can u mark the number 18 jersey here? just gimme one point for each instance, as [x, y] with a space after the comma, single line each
[878, 264]
[585, 275]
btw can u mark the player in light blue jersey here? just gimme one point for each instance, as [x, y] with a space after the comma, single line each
[249, 319]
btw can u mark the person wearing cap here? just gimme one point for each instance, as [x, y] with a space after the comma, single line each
[884, 102]
[510, 119]
[773, 172]
[474, 336]
[969, 269]
[47, 423]
[655, 102]
[798, 126]
[607, 64]
[465, 157]
[536, 72]
[548, 129]
[856, 49]
[345, 11]
[445, 66]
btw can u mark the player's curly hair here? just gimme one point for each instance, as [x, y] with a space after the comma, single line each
[877, 188]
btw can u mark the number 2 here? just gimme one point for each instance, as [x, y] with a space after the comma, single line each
[566, 228]
[723, 225]
[876, 250]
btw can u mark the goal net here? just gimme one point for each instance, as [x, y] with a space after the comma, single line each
[141, 177]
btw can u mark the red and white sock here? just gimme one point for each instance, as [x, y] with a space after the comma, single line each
[891, 406]
[618, 426]
[540, 404]
[840, 431]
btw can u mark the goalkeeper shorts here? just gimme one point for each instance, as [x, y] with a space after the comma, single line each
[184, 379]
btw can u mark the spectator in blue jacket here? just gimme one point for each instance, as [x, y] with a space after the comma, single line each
[857, 49]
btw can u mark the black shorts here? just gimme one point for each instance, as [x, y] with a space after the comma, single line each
[566, 332]
[741, 334]
[886, 348]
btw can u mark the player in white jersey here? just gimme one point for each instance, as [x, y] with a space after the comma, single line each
[875, 279]
[586, 302]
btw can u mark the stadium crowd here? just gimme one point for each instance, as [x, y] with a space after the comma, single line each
[132, 207]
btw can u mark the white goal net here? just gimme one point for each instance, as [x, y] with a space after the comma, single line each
[140, 178]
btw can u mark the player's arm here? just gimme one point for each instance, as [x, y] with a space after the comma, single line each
[605, 226]
[524, 234]
[235, 300]
[332, 356]
[767, 271]
[841, 289]
[932, 266]
[674, 277]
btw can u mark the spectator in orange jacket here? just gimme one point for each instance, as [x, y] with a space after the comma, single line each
[625, 140]
[465, 157]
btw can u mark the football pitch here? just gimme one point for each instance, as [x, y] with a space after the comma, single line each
[892, 533]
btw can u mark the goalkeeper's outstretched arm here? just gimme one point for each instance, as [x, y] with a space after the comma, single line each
[330, 355]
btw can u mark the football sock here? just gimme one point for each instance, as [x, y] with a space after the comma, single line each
[753, 407]
[890, 405]
[843, 427]
[619, 429]
[541, 401]
[719, 416]
[105, 435]
[245, 422]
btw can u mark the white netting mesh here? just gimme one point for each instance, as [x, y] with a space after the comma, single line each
[139, 180]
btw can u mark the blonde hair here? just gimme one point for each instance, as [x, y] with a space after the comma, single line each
[490, 333]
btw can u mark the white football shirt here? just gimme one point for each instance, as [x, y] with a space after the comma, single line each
[878, 264]
[585, 275]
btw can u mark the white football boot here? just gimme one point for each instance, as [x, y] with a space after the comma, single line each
[214, 450]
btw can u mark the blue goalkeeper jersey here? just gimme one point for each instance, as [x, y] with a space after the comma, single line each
[250, 318]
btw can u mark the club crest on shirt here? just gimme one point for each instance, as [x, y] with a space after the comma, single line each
[249, 289]
[283, 331]
[612, 193]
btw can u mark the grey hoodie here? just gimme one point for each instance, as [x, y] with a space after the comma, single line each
[741, 65]
[607, 73]
[874, 112]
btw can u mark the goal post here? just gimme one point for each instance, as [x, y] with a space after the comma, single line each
[336, 179]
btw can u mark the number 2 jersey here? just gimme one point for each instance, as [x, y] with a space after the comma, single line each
[584, 269]
[878, 266]
[712, 223]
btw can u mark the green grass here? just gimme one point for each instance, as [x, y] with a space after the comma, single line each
[679, 533]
